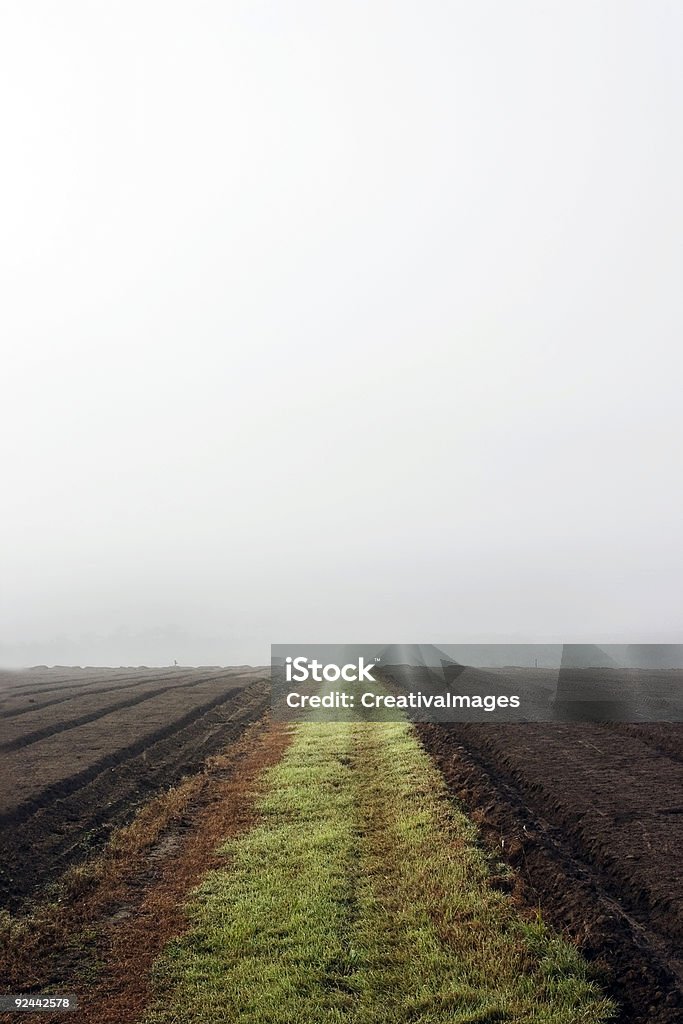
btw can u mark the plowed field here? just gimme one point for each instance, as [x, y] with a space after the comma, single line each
[591, 817]
[81, 750]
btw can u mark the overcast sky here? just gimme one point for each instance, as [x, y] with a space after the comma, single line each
[339, 321]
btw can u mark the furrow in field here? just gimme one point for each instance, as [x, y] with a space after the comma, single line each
[664, 737]
[516, 793]
[51, 768]
[615, 796]
[70, 824]
[165, 761]
[41, 724]
[26, 705]
[26, 683]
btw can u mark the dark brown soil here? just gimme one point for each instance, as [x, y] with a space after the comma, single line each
[68, 784]
[665, 737]
[592, 820]
[79, 706]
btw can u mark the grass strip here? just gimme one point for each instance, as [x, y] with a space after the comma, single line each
[362, 897]
[440, 943]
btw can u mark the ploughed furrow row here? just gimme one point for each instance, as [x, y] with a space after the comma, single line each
[75, 819]
[45, 696]
[161, 764]
[18, 680]
[664, 737]
[15, 735]
[27, 705]
[52, 767]
[38, 681]
[523, 786]
[28, 682]
[618, 797]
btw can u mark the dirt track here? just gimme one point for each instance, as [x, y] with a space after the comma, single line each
[592, 819]
[80, 753]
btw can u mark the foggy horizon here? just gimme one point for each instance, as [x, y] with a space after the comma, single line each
[150, 650]
[337, 322]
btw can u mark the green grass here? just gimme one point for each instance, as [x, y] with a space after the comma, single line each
[362, 897]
